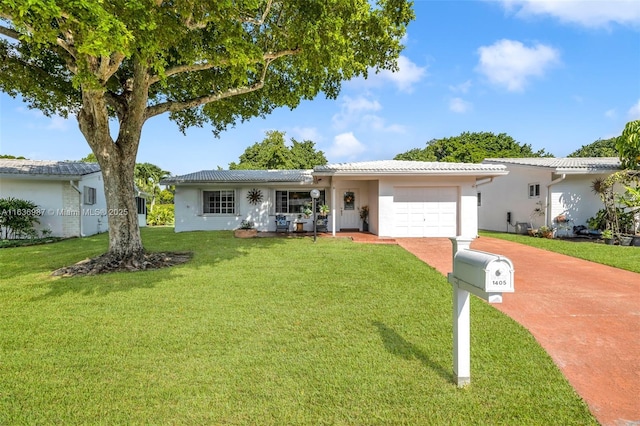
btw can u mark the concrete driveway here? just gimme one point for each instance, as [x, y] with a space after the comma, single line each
[585, 315]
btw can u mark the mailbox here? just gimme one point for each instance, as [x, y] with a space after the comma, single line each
[488, 272]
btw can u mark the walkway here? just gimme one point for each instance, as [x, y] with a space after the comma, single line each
[585, 315]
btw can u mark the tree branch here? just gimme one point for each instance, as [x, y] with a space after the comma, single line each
[186, 68]
[259, 22]
[8, 32]
[203, 100]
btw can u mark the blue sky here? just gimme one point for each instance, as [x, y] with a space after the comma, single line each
[555, 75]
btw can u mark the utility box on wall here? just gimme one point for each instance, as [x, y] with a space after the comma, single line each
[488, 272]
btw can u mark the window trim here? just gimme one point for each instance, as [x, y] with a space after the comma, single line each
[234, 206]
[534, 190]
[278, 192]
[90, 195]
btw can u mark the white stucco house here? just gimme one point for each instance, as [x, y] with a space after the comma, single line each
[560, 188]
[69, 194]
[405, 198]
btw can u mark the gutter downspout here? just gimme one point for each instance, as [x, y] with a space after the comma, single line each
[547, 210]
[73, 185]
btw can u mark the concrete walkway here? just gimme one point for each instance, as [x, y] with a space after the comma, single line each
[585, 315]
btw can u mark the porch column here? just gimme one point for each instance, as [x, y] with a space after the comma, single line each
[333, 209]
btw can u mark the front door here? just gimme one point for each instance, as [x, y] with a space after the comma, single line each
[350, 210]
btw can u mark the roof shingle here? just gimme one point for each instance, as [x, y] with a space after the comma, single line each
[44, 168]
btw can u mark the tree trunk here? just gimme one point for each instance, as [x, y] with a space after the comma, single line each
[117, 162]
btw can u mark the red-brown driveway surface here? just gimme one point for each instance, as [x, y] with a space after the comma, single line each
[585, 315]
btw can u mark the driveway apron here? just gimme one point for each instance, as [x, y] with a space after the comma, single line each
[585, 315]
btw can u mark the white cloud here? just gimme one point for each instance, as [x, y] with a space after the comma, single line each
[351, 110]
[634, 111]
[345, 145]
[511, 64]
[588, 13]
[459, 105]
[461, 88]
[407, 75]
[377, 123]
[306, 133]
[611, 113]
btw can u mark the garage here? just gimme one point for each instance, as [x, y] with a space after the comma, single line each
[425, 211]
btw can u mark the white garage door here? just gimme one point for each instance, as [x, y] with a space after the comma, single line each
[425, 211]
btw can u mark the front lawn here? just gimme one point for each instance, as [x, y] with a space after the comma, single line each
[623, 257]
[268, 331]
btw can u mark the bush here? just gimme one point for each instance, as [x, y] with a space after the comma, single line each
[161, 214]
[18, 218]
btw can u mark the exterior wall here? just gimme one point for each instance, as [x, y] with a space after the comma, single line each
[63, 211]
[510, 193]
[48, 195]
[363, 188]
[573, 198]
[94, 216]
[466, 215]
[189, 216]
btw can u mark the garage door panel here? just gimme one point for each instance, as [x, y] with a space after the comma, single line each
[425, 211]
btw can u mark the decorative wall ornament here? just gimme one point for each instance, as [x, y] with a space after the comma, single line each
[254, 196]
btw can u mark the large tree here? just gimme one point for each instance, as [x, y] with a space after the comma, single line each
[599, 148]
[471, 148]
[273, 154]
[202, 62]
[628, 145]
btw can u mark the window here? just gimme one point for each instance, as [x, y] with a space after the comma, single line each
[89, 195]
[534, 190]
[219, 202]
[296, 201]
[479, 199]
[141, 205]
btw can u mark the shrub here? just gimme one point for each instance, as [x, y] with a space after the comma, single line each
[161, 214]
[18, 218]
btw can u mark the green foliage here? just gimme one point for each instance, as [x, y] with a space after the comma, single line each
[161, 215]
[196, 52]
[166, 196]
[599, 148]
[629, 146]
[90, 158]
[471, 148]
[273, 154]
[12, 157]
[18, 218]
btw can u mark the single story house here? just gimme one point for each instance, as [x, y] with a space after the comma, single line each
[404, 198]
[70, 194]
[555, 192]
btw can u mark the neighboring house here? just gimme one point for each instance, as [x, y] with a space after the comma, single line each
[405, 198]
[70, 194]
[539, 191]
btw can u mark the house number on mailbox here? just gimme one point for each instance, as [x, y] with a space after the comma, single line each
[496, 277]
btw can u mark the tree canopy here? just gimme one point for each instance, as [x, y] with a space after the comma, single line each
[273, 154]
[471, 148]
[599, 148]
[215, 62]
[628, 145]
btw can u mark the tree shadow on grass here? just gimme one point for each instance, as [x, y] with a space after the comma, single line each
[210, 250]
[398, 346]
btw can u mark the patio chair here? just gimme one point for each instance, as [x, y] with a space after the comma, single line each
[282, 224]
[321, 224]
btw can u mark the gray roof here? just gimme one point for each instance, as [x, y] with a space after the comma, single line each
[47, 168]
[577, 165]
[410, 167]
[241, 176]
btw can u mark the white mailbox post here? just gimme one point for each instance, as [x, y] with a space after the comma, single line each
[486, 275]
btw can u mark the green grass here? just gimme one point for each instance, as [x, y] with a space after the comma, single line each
[623, 257]
[260, 331]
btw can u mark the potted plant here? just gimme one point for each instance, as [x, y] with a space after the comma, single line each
[364, 215]
[324, 210]
[607, 236]
[546, 231]
[246, 230]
